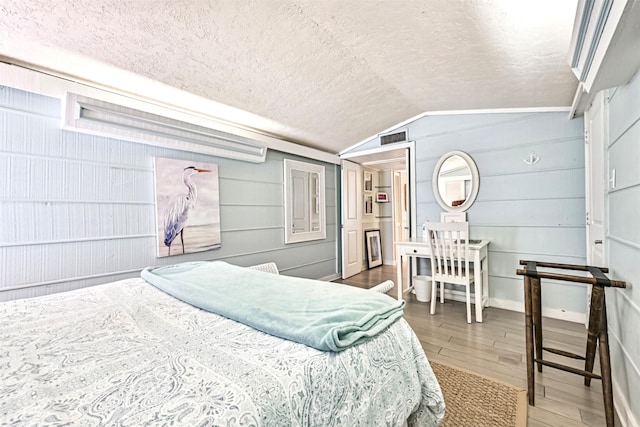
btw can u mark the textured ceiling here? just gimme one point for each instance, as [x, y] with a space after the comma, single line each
[324, 73]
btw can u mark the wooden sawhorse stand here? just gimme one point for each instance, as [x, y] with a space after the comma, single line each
[596, 331]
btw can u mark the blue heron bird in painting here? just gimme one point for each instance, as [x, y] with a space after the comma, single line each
[180, 205]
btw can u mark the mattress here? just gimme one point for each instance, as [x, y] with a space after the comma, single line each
[127, 354]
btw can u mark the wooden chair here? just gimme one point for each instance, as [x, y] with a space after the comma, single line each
[449, 244]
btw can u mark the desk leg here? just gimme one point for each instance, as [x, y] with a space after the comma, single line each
[485, 280]
[400, 259]
[478, 285]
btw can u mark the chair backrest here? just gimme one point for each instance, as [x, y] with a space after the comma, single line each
[449, 243]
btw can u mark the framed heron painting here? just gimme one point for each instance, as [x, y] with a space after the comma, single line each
[187, 206]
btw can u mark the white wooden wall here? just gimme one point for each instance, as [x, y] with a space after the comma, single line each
[78, 210]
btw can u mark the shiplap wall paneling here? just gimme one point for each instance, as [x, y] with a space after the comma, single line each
[78, 210]
[527, 212]
[623, 246]
[516, 198]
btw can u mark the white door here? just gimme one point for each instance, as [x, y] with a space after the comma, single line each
[595, 143]
[595, 137]
[352, 254]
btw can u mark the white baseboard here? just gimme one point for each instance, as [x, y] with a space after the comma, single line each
[553, 313]
[621, 406]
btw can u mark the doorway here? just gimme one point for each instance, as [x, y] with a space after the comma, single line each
[393, 196]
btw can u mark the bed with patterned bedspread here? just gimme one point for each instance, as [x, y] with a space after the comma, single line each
[128, 354]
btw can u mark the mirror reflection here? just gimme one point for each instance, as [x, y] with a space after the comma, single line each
[456, 181]
[304, 201]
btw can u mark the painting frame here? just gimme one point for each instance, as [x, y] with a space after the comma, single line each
[368, 204]
[367, 181]
[187, 205]
[373, 245]
[382, 197]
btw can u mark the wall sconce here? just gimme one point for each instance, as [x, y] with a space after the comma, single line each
[532, 159]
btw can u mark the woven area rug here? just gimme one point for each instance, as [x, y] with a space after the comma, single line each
[474, 400]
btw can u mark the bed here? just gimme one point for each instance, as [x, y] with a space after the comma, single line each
[129, 354]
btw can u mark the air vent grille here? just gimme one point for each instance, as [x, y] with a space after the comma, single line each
[392, 138]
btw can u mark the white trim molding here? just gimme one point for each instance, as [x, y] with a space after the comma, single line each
[604, 48]
[553, 313]
[183, 107]
[405, 123]
[93, 116]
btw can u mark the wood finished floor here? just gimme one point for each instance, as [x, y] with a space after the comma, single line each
[496, 348]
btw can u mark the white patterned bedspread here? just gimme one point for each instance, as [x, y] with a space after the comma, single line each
[127, 354]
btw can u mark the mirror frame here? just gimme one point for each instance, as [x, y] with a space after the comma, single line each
[289, 235]
[475, 185]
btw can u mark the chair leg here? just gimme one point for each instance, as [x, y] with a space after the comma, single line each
[468, 303]
[434, 296]
[441, 292]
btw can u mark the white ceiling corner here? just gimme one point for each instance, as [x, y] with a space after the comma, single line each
[326, 74]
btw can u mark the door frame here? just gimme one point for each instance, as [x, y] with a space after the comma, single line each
[598, 113]
[400, 194]
[410, 161]
[595, 152]
[350, 219]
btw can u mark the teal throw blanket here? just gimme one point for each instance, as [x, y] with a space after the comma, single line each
[324, 315]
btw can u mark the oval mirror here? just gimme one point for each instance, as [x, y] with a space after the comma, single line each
[456, 181]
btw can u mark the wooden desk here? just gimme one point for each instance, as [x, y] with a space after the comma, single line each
[418, 248]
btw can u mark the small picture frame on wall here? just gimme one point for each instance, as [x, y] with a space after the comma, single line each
[373, 247]
[368, 181]
[382, 197]
[368, 204]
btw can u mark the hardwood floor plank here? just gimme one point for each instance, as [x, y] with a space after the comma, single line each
[551, 418]
[559, 409]
[491, 349]
[592, 419]
[535, 423]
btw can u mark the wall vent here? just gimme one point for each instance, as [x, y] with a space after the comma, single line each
[88, 115]
[393, 138]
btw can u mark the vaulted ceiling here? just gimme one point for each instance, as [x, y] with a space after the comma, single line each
[322, 73]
